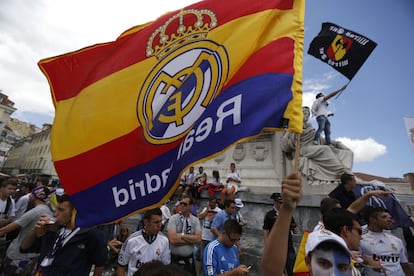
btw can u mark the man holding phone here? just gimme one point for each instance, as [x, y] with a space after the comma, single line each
[221, 256]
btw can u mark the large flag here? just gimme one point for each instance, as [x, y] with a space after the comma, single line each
[390, 203]
[133, 114]
[343, 49]
[409, 125]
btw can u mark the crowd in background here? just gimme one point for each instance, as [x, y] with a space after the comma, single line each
[39, 235]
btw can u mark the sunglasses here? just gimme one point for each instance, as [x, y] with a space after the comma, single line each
[232, 240]
[358, 229]
[183, 203]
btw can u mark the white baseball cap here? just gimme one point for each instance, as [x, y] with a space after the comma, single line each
[238, 202]
[317, 237]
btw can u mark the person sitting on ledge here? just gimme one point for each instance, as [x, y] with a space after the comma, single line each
[213, 186]
[232, 184]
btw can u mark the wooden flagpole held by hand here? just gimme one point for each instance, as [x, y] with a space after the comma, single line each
[297, 152]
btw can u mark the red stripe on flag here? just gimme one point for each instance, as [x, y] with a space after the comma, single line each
[108, 160]
[70, 73]
[261, 61]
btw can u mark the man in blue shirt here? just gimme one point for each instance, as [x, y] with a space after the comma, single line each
[221, 217]
[221, 255]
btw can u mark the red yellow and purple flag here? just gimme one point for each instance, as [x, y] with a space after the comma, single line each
[342, 49]
[133, 114]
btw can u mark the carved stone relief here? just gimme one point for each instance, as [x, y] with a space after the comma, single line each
[239, 152]
[260, 151]
[220, 158]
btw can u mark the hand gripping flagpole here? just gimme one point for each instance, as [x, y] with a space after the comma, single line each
[297, 145]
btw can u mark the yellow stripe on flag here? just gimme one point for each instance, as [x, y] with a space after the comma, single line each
[106, 109]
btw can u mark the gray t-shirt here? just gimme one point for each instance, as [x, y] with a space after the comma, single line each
[21, 205]
[27, 222]
[187, 226]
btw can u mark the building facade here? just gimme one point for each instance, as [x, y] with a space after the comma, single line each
[31, 155]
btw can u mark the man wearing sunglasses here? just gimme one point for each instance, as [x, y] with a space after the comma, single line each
[345, 224]
[184, 232]
[221, 255]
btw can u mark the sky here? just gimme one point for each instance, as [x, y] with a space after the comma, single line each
[368, 114]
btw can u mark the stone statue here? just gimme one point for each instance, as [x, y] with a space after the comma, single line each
[317, 163]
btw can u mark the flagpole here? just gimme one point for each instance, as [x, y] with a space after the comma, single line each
[297, 152]
[337, 96]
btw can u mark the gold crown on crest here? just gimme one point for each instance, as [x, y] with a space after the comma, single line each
[192, 24]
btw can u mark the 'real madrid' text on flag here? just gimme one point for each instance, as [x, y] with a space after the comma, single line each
[133, 114]
[208, 127]
[343, 49]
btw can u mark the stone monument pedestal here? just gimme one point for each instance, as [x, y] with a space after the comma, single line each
[263, 165]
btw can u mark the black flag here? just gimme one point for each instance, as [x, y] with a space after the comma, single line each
[343, 49]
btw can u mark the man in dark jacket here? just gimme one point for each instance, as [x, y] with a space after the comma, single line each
[343, 192]
[65, 249]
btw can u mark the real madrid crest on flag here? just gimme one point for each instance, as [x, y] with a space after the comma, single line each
[190, 71]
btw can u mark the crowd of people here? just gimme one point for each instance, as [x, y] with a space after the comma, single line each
[39, 235]
[193, 183]
[44, 239]
[337, 245]
[352, 237]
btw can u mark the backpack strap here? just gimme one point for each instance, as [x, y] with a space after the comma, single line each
[6, 210]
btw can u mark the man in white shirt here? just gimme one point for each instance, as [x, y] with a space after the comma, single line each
[166, 215]
[145, 246]
[320, 111]
[187, 181]
[232, 184]
[7, 209]
[200, 180]
[7, 205]
[207, 215]
[382, 246]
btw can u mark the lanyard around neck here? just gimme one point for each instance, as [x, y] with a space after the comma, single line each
[62, 239]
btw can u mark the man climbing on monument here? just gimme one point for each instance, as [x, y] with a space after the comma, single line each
[320, 111]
